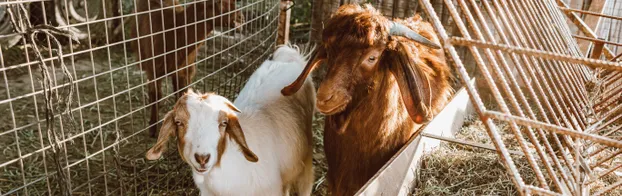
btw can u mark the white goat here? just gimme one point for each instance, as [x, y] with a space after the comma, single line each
[272, 148]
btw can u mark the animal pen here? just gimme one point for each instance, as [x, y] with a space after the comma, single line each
[75, 100]
[76, 109]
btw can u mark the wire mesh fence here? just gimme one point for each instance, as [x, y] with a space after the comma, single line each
[75, 103]
[539, 94]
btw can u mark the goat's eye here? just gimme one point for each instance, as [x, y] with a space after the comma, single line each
[372, 58]
[223, 124]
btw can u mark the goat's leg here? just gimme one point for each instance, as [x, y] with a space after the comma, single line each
[304, 184]
[179, 82]
[182, 79]
[155, 92]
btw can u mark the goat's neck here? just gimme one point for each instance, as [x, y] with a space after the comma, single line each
[195, 13]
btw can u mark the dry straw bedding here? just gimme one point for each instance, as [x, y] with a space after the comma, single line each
[454, 169]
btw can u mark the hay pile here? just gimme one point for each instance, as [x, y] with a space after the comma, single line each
[462, 170]
[319, 159]
[454, 169]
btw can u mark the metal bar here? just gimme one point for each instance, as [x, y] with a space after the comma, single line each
[547, 145]
[597, 40]
[609, 188]
[564, 83]
[467, 143]
[566, 9]
[603, 174]
[547, 55]
[479, 106]
[514, 83]
[607, 158]
[560, 130]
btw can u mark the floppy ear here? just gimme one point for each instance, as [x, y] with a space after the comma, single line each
[413, 83]
[235, 131]
[166, 131]
[318, 56]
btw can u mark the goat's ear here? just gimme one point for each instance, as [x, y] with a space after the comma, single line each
[232, 107]
[189, 90]
[413, 83]
[166, 131]
[235, 131]
[229, 104]
[318, 56]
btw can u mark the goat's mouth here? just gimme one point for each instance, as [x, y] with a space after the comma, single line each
[199, 170]
[326, 108]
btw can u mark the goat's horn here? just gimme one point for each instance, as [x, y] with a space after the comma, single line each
[401, 30]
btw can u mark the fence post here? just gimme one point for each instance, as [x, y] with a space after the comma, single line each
[597, 50]
[284, 15]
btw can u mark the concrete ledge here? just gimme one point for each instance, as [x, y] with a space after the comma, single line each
[398, 175]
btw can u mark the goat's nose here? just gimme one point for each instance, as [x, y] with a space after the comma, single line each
[202, 159]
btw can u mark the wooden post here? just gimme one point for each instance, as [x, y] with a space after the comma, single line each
[584, 28]
[597, 50]
[284, 15]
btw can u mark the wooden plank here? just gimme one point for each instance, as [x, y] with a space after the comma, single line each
[584, 28]
[398, 175]
[283, 29]
[597, 50]
[593, 22]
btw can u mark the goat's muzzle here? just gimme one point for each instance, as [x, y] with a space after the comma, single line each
[332, 103]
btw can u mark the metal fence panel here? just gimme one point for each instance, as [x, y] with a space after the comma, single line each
[561, 107]
[74, 114]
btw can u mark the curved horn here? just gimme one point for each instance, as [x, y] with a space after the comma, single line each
[315, 60]
[5, 27]
[61, 22]
[401, 30]
[2, 12]
[75, 15]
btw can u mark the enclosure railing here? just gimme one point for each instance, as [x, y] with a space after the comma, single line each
[74, 101]
[563, 109]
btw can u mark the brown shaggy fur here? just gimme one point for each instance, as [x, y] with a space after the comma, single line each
[362, 136]
[173, 20]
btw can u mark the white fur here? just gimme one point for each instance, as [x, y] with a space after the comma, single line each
[277, 129]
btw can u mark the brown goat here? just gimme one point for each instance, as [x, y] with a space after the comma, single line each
[384, 78]
[185, 30]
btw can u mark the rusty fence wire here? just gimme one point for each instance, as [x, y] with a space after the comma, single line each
[74, 107]
[538, 93]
